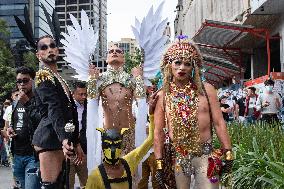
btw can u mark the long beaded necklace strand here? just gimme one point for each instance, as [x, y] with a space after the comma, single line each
[182, 104]
[118, 105]
[64, 85]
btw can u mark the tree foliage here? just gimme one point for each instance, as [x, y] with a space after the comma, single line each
[7, 72]
[30, 60]
[132, 61]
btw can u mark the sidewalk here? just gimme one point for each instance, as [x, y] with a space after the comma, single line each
[5, 177]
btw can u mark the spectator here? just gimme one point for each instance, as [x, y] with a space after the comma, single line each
[269, 103]
[8, 110]
[6, 103]
[225, 108]
[251, 113]
[80, 98]
[3, 152]
[240, 108]
[23, 122]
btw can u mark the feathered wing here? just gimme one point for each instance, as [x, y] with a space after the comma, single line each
[79, 44]
[149, 35]
[26, 28]
[53, 23]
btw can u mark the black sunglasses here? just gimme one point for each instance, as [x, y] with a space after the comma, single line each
[24, 81]
[45, 46]
[115, 50]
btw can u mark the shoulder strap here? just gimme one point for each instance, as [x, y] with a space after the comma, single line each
[128, 172]
[104, 176]
[209, 106]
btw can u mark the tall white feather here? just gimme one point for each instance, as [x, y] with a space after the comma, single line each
[149, 35]
[79, 44]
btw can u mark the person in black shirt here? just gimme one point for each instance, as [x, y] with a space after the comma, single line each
[240, 108]
[225, 108]
[24, 121]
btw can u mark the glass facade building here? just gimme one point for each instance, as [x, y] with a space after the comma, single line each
[9, 8]
[128, 45]
[97, 12]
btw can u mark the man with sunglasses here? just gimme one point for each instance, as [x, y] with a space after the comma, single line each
[117, 90]
[58, 112]
[24, 120]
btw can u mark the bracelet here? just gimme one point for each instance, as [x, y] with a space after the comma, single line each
[159, 164]
[229, 155]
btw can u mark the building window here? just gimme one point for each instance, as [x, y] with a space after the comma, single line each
[72, 8]
[84, 7]
[61, 16]
[69, 22]
[71, 2]
[84, 1]
[60, 9]
[60, 2]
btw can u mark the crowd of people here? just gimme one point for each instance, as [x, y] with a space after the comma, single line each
[248, 106]
[51, 133]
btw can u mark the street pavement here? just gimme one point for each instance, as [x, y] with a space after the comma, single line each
[5, 177]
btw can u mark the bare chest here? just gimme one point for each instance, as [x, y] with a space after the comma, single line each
[116, 93]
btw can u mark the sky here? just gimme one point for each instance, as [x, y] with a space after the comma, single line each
[122, 13]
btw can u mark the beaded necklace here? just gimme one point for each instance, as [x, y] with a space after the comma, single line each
[64, 85]
[118, 108]
[183, 109]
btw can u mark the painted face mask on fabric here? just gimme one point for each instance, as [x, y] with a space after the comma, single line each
[112, 144]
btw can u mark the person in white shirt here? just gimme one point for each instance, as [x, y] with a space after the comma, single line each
[8, 112]
[269, 103]
[251, 112]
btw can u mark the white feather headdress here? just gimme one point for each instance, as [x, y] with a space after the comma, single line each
[149, 35]
[79, 44]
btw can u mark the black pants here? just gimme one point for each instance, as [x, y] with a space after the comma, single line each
[270, 118]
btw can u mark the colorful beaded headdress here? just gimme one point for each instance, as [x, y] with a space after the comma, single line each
[182, 48]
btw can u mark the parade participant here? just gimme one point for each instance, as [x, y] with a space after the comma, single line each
[111, 94]
[117, 89]
[185, 110]
[55, 102]
[269, 103]
[58, 110]
[116, 172]
[80, 98]
[24, 121]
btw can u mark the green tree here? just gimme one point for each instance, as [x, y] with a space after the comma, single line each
[7, 72]
[30, 60]
[132, 61]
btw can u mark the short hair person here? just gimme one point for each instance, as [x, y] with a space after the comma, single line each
[117, 90]
[24, 120]
[80, 98]
[269, 103]
[57, 107]
[184, 110]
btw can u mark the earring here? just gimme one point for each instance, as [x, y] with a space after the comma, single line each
[192, 73]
